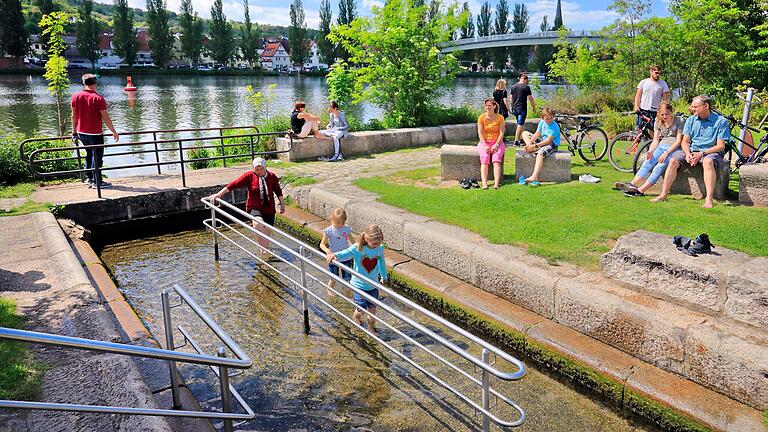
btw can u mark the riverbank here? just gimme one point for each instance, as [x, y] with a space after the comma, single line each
[150, 71]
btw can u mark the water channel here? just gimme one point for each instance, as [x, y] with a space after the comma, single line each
[334, 378]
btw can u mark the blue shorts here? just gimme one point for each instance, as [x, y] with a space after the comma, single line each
[364, 303]
[520, 115]
[333, 268]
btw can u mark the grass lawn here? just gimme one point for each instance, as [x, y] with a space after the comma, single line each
[22, 190]
[572, 222]
[19, 374]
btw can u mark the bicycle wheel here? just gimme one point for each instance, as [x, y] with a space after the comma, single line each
[593, 144]
[640, 156]
[621, 153]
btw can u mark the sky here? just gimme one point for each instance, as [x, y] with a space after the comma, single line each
[578, 15]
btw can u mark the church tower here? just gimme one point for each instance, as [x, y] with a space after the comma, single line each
[558, 17]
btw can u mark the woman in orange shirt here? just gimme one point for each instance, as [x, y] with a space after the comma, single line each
[490, 132]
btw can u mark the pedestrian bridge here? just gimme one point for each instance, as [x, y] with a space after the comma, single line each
[519, 39]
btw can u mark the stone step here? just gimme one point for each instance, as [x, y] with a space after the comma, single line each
[753, 184]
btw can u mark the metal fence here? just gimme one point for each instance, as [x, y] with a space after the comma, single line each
[219, 363]
[227, 223]
[177, 151]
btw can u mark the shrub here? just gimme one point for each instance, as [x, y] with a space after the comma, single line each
[13, 170]
[200, 153]
[439, 115]
[614, 122]
[278, 123]
[374, 125]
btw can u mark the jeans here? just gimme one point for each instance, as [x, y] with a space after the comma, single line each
[94, 157]
[337, 135]
[653, 166]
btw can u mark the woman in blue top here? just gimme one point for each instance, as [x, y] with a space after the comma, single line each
[368, 257]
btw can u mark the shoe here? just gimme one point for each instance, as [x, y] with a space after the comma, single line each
[465, 184]
[340, 158]
[102, 185]
[473, 182]
[633, 193]
[589, 178]
[521, 180]
[88, 181]
[334, 158]
[624, 187]
[701, 244]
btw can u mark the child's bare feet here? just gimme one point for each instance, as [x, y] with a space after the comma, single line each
[708, 204]
[660, 198]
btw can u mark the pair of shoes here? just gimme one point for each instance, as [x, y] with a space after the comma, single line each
[473, 182]
[102, 185]
[465, 183]
[634, 193]
[521, 180]
[624, 187]
[695, 247]
[589, 178]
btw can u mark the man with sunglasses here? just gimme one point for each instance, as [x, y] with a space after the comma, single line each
[650, 93]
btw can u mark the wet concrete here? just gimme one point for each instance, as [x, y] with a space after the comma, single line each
[335, 378]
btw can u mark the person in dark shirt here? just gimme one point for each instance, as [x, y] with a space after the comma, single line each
[304, 123]
[520, 94]
[500, 96]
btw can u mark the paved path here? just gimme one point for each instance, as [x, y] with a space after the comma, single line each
[340, 172]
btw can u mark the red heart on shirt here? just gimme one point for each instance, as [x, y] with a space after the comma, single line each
[369, 263]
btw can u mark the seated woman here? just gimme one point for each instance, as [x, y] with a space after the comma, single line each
[337, 128]
[490, 132]
[543, 142]
[302, 122]
[667, 136]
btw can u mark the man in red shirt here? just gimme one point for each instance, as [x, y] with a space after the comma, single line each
[89, 110]
[262, 187]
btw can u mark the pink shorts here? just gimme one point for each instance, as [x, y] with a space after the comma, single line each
[486, 158]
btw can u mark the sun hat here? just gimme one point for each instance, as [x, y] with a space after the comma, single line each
[259, 161]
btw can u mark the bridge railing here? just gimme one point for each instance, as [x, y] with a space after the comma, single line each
[518, 36]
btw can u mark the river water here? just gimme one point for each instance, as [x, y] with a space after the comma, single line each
[334, 378]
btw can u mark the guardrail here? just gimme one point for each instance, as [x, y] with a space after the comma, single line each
[226, 216]
[175, 147]
[220, 365]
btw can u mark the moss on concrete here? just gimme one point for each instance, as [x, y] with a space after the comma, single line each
[546, 359]
[765, 418]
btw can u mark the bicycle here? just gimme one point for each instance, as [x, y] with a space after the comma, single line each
[624, 147]
[589, 140]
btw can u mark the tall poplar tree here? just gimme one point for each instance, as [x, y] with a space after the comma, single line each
[297, 34]
[484, 29]
[544, 52]
[249, 38]
[160, 37]
[468, 30]
[124, 38]
[88, 30]
[13, 37]
[191, 33]
[519, 54]
[222, 45]
[347, 14]
[323, 44]
[501, 26]
[46, 7]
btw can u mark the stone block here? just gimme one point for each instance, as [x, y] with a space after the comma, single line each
[303, 149]
[504, 275]
[322, 202]
[394, 139]
[747, 292]
[363, 143]
[511, 126]
[753, 184]
[649, 329]
[388, 218]
[442, 246]
[461, 161]
[459, 132]
[731, 359]
[557, 166]
[690, 181]
[425, 136]
[651, 263]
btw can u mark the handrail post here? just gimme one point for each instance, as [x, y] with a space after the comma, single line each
[223, 149]
[157, 154]
[486, 388]
[170, 346]
[226, 396]
[97, 176]
[304, 303]
[181, 159]
[215, 237]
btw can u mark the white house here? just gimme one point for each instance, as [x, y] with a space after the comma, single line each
[274, 57]
[314, 57]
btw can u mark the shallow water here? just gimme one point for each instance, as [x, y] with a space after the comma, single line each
[334, 378]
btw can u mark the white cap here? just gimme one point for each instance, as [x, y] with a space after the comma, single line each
[260, 161]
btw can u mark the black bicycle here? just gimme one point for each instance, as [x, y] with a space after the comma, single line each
[588, 139]
[625, 146]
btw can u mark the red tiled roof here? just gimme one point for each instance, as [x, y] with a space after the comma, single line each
[270, 49]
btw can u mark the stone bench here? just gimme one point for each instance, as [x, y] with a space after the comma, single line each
[557, 166]
[727, 283]
[753, 184]
[690, 181]
[462, 161]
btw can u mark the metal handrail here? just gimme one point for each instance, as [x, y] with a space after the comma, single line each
[179, 148]
[220, 362]
[305, 256]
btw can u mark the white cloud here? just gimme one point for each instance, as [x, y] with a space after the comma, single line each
[367, 4]
[573, 16]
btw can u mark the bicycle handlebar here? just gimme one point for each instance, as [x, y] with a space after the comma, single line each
[736, 122]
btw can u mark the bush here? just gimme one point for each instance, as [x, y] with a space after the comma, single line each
[13, 170]
[439, 115]
[200, 153]
[614, 122]
[278, 123]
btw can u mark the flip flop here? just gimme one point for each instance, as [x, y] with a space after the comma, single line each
[521, 180]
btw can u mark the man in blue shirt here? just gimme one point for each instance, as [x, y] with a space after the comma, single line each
[704, 136]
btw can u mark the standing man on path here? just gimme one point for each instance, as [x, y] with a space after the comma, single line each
[650, 93]
[89, 110]
[520, 94]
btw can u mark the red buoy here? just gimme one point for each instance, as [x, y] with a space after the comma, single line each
[130, 86]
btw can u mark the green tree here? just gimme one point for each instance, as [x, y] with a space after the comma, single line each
[484, 29]
[297, 34]
[191, 33]
[754, 63]
[519, 55]
[341, 84]
[325, 46]
[13, 36]
[221, 43]
[468, 29]
[501, 26]
[160, 37]
[56, 65]
[401, 68]
[544, 52]
[124, 38]
[347, 14]
[626, 30]
[46, 7]
[580, 66]
[249, 38]
[88, 30]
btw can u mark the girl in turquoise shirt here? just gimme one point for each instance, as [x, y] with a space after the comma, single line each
[368, 259]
